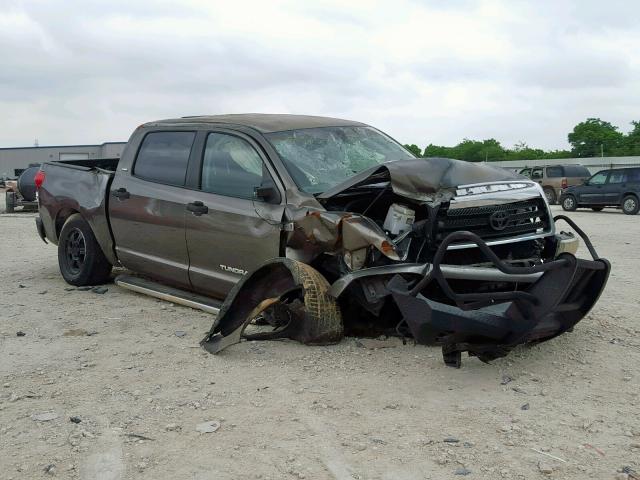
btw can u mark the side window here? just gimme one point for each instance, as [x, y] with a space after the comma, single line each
[163, 157]
[633, 175]
[526, 172]
[554, 172]
[232, 167]
[599, 178]
[618, 176]
[536, 173]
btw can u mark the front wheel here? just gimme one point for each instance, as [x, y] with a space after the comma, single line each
[80, 257]
[630, 205]
[569, 203]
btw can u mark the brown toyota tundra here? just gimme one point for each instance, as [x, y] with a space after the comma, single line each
[309, 228]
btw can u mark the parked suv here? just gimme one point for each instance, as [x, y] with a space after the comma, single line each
[619, 188]
[555, 178]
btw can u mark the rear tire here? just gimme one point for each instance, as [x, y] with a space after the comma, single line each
[569, 203]
[551, 195]
[80, 257]
[630, 205]
[597, 209]
[10, 202]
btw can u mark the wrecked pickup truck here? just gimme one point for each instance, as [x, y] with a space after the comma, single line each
[318, 227]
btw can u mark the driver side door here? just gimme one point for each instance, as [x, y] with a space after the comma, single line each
[230, 231]
[592, 193]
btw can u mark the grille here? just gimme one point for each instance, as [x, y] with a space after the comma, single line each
[496, 221]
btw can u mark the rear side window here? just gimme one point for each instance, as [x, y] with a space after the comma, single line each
[163, 157]
[526, 172]
[618, 176]
[576, 171]
[554, 172]
[633, 175]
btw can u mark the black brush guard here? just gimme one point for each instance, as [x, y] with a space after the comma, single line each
[490, 325]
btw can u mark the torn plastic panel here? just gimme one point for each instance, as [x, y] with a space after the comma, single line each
[290, 296]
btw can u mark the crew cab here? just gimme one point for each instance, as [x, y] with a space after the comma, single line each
[318, 226]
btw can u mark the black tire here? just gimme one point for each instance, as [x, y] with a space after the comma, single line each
[10, 202]
[324, 324]
[597, 209]
[630, 205]
[551, 196]
[80, 258]
[27, 184]
[569, 203]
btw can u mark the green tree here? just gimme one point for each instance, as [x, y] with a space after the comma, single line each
[593, 137]
[413, 148]
[631, 141]
[432, 150]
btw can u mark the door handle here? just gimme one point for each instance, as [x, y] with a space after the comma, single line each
[121, 193]
[197, 208]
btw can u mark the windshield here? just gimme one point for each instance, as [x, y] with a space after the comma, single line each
[320, 158]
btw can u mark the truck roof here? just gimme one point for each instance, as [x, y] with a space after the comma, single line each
[264, 122]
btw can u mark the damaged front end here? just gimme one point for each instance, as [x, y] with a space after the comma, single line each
[404, 249]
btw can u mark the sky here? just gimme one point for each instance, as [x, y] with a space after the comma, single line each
[83, 71]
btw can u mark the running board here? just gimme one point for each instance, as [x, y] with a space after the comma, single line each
[170, 294]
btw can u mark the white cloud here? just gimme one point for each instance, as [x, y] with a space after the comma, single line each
[89, 71]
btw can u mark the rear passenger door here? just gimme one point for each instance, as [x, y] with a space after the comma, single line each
[613, 189]
[229, 231]
[147, 208]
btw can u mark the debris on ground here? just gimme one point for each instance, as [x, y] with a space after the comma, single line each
[180, 333]
[100, 290]
[208, 427]
[44, 417]
[506, 379]
[75, 419]
[75, 332]
[20, 333]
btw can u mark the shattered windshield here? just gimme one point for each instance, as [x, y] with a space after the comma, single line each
[320, 158]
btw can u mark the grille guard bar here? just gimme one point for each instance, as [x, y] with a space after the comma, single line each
[489, 325]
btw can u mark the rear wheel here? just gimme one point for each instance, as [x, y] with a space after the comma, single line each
[551, 195]
[569, 203]
[80, 257]
[630, 205]
[597, 209]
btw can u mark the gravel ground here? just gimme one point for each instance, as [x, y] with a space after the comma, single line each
[566, 409]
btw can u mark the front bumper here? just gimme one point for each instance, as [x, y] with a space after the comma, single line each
[489, 325]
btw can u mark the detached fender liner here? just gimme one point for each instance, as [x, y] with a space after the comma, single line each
[490, 325]
[290, 291]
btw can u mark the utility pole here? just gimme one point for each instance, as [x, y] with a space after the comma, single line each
[601, 150]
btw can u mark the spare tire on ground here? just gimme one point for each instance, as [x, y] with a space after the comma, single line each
[27, 184]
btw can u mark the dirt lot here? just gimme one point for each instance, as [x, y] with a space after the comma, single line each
[119, 362]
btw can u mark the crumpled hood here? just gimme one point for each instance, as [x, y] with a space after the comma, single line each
[425, 179]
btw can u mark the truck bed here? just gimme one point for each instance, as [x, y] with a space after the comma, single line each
[78, 186]
[109, 164]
